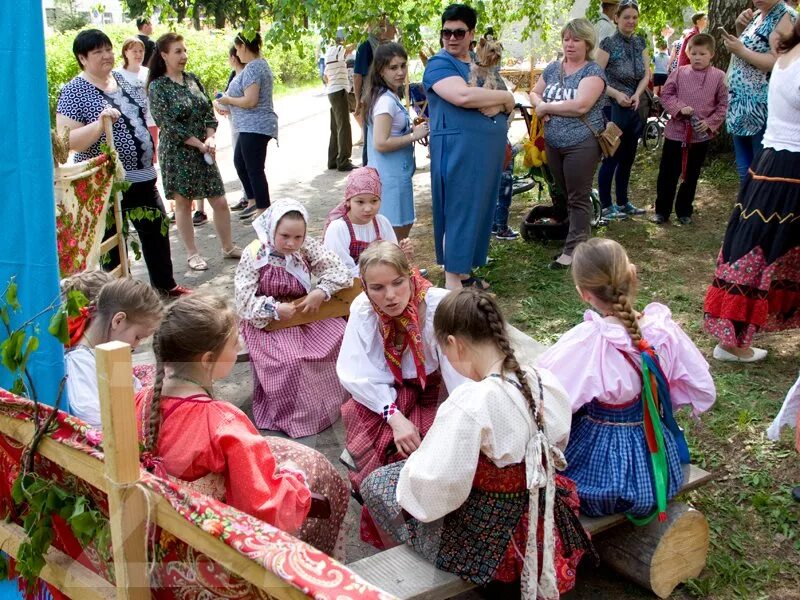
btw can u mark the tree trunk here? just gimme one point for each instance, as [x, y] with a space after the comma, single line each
[196, 14]
[219, 16]
[723, 13]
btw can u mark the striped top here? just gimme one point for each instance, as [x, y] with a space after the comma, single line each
[336, 70]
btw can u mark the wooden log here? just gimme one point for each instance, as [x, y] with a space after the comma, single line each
[127, 505]
[337, 306]
[659, 555]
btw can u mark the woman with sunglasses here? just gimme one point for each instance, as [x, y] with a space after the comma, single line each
[624, 57]
[468, 137]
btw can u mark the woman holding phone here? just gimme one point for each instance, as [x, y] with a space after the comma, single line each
[753, 50]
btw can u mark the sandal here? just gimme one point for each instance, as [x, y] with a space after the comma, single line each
[476, 282]
[234, 252]
[197, 262]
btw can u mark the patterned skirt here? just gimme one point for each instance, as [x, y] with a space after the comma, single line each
[756, 284]
[609, 461]
[484, 539]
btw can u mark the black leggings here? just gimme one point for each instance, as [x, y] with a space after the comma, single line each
[155, 245]
[249, 158]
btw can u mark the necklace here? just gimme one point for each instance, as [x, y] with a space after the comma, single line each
[209, 391]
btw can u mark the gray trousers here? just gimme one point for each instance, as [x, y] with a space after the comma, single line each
[573, 168]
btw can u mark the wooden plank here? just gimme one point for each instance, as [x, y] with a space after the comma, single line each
[67, 575]
[693, 477]
[337, 306]
[403, 573]
[108, 244]
[127, 505]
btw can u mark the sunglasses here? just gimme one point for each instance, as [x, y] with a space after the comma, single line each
[632, 3]
[458, 34]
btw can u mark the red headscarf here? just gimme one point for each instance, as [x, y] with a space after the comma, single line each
[409, 322]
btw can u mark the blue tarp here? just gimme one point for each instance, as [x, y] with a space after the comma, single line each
[27, 215]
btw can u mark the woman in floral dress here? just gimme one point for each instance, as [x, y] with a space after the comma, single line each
[187, 150]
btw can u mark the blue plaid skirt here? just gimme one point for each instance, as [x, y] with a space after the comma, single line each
[610, 463]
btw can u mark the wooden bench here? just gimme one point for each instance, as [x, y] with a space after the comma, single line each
[657, 556]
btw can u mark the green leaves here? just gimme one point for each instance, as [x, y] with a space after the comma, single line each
[59, 327]
[11, 296]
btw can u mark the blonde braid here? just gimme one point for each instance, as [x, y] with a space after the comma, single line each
[622, 309]
[510, 363]
[154, 422]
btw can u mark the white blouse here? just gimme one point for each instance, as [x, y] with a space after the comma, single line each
[139, 80]
[490, 417]
[337, 238]
[362, 367]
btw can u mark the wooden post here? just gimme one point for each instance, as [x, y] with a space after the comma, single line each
[123, 269]
[659, 556]
[127, 506]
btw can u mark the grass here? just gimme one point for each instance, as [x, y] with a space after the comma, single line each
[755, 543]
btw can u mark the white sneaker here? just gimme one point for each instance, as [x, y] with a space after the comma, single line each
[721, 354]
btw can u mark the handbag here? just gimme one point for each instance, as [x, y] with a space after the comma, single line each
[609, 138]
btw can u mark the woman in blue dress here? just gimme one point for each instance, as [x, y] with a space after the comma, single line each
[468, 136]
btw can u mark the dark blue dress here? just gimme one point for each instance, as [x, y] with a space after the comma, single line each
[467, 151]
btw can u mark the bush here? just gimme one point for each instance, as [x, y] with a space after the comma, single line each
[208, 59]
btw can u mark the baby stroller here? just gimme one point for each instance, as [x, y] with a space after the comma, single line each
[546, 223]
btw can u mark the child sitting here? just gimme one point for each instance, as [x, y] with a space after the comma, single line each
[475, 479]
[355, 223]
[696, 96]
[600, 364]
[295, 387]
[125, 310]
[211, 446]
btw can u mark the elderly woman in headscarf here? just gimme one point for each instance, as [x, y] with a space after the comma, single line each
[295, 386]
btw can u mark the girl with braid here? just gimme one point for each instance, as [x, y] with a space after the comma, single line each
[600, 364]
[486, 468]
[190, 436]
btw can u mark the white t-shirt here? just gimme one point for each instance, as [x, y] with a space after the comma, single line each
[783, 120]
[387, 104]
[84, 399]
[139, 80]
[337, 238]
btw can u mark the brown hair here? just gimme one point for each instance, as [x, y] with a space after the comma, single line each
[158, 65]
[376, 85]
[702, 39]
[602, 267]
[88, 282]
[140, 303]
[131, 41]
[382, 252]
[791, 40]
[192, 326]
[475, 315]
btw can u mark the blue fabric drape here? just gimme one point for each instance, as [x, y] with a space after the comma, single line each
[27, 215]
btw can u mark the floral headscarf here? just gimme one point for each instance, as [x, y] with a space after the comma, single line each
[266, 225]
[363, 180]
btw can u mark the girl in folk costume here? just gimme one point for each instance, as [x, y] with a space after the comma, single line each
[355, 223]
[211, 446]
[486, 468]
[124, 310]
[391, 363]
[625, 372]
[295, 388]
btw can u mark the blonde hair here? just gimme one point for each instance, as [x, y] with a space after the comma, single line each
[192, 326]
[131, 41]
[382, 252]
[88, 282]
[582, 29]
[475, 315]
[602, 267]
[140, 303]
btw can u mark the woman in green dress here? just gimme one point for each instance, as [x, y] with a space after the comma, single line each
[187, 149]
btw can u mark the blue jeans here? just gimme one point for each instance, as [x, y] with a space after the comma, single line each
[746, 147]
[504, 200]
[618, 167]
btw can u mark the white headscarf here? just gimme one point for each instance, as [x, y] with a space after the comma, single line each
[266, 225]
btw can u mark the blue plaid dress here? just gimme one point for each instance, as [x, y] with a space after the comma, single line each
[610, 463]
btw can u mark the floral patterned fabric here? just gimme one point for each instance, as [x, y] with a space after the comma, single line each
[181, 572]
[83, 196]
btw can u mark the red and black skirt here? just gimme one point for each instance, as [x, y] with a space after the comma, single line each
[756, 285]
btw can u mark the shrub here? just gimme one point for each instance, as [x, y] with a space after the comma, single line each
[208, 58]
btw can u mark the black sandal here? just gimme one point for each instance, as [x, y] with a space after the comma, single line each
[476, 282]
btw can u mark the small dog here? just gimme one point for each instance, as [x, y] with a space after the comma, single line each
[483, 72]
